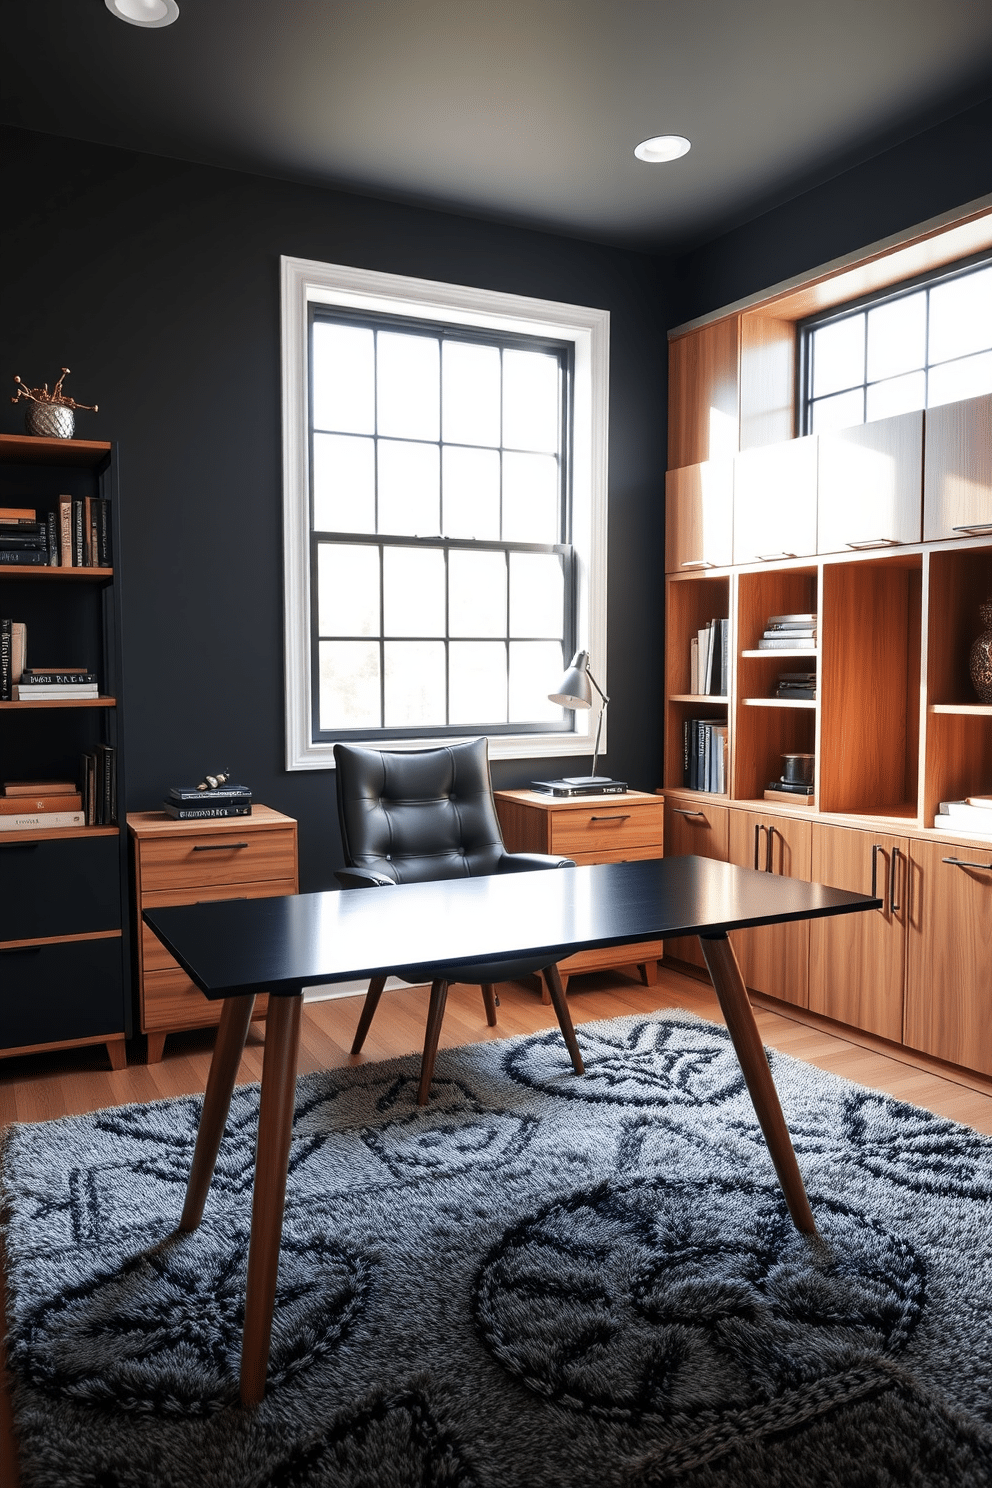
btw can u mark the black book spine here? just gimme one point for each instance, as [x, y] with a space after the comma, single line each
[77, 534]
[52, 527]
[24, 556]
[6, 666]
[200, 813]
[106, 786]
[694, 754]
[686, 732]
[103, 533]
[18, 540]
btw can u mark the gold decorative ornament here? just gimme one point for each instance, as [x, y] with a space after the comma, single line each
[50, 414]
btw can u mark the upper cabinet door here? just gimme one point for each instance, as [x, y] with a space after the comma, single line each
[699, 516]
[775, 501]
[957, 480]
[702, 393]
[871, 485]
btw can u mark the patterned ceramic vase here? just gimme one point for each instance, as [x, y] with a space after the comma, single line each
[54, 420]
[981, 656]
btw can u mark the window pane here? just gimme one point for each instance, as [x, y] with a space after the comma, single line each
[537, 595]
[476, 594]
[838, 356]
[470, 493]
[896, 395]
[477, 682]
[961, 317]
[968, 378]
[409, 386]
[343, 378]
[535, 667]
[414, 684]
[343, 483]
[838, 412]
[530, 498]
[530, 400]
[349, 684]
[470, 392]
[413, 591]
[347, 590]
[897, 338]
[409, 489]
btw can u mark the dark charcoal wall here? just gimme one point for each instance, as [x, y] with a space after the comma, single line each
[157, 282]
[924, 176]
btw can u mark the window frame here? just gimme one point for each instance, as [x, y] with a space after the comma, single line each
[306, 283]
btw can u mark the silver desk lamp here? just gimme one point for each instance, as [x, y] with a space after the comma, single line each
[574, 691]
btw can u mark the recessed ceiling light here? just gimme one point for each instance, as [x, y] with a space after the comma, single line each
[144, 12]
[662, 147]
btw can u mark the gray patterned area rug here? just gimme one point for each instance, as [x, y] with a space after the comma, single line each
[539, 1280]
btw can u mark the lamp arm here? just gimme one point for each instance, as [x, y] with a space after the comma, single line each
[595, 684]
[599, 732]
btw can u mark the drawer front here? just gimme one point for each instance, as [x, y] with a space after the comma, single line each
[73, 990]
[154, 956]
[65, 886]
[170, 1001]
[216, 858]
[608, 829]
[618, 855]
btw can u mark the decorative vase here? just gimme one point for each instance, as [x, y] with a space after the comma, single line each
[51, 420]
[980, 661]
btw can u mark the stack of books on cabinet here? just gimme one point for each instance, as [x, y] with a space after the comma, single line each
[194, 803]
[705, 755]
[789, 633]
[28, 805]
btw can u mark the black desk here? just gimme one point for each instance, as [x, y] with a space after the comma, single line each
[236, 949]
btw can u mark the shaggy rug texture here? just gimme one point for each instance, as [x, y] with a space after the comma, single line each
[537, 1280]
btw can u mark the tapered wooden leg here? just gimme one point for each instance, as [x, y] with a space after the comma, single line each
[435, 1015]
[231, 1034]
[117, 1053]
[275, 1132]
[368, 1012]
[557, 992]
[489, 998]
[156, 1044]
[721, 962]
[648, 972]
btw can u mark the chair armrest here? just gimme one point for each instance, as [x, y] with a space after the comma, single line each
[363, 878]
[527, 862]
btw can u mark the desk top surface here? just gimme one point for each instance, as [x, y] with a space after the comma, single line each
[283, 945]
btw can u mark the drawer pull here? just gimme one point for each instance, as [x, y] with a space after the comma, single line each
[876, 848]
[972, 527]
[680, 811]
[217, 846]
[758, 829]
[873, 542]
[963, 863]
[894, 908]
[625, 816]
[773, 557]
[697, 563]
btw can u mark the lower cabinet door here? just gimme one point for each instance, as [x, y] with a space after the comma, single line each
[857, 962]
[949, 987]
[62, 991]
[774, 959]
[693, 830]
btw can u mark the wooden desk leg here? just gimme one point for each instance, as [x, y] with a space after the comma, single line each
[230, 1042]
[553, 981]
[275, 1131]
[721, 962]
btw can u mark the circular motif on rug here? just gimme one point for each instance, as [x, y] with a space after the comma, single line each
[161, 1331]
[658, 1296]
[651, 1064]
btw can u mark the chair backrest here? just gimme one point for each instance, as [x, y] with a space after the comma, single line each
[418, 815]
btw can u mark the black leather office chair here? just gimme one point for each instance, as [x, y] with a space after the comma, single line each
[423, 815]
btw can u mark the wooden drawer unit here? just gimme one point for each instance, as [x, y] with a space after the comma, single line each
[246, 857]
[589, 829]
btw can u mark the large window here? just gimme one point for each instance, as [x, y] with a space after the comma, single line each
[445, 511]
[916, 347]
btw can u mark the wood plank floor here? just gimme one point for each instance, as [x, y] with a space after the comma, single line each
[42, 1087]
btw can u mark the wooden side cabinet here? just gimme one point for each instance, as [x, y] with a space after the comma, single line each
[693, 828]
[589, 829]
[191, 862]
[774, 959]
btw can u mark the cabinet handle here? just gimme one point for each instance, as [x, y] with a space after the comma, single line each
[680, 811]
[894, 908]
[963, 863]
[973, 527]
[624, 817]
[768, 850]
[773, 557]
[874, 542]
[876, 848]
[20, 950]
[759, 827]
[697, 563]
[218, 846]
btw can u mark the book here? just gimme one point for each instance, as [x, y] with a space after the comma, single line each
[14, 805]
[963, 811]
[181, 793]
[106, 785]
[702, 754]
[199, 813]
[103, 559]
[39, 787]
[24, 556]
[78, 548]
[805, 619]
[786, 787]
[42, 819]
[16, 541]
[6, 660]
[694, 665]
[18, 514]
[65, 531]
[786, 643]
[984, 803]
[27, 694]
[52, 532]
[721, 757]
[18, 648]
[961, 827]
[71, 677]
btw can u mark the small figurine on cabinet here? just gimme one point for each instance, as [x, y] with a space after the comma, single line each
[50, 414]
[213, 782]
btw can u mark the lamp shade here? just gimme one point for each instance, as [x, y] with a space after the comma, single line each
[574, 690]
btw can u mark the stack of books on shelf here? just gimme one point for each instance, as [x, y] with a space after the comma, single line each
[709, 660]
[705, 764]
[189, 803]
[972, 817]
[794, 795]
[27, 805]
[37, 686]
[13, 647]
[796, 685]
[789, 633]
[75, 534]
[100, 787]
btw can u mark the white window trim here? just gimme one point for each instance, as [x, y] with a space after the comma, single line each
[306, 282]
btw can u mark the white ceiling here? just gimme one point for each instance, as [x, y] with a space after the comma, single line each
[526, 110]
